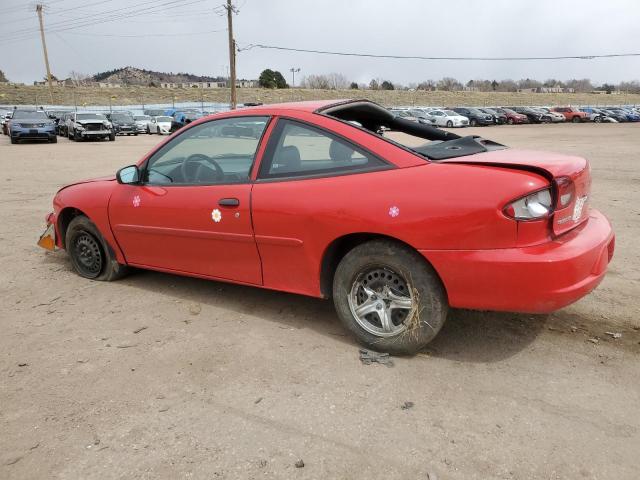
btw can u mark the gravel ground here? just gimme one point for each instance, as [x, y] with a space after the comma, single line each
[158, 376]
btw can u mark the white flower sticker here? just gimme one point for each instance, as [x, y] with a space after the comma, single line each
[216, 215]
[136, 201]
[394, 212]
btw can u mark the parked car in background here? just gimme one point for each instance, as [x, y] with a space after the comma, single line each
[160, 124]
[572, 114]
[142, 123]
[448, 118]
[620, 117]
[83, 126]
[5, 122]
[123, 123]
[513, 118]
[532, 115]
[422, 116]
[154, 112]
[31, 125]
[498, 118]
[475, 116]
[598, 116]
[460, 222]
[62, 127]
[403, 114]
[555, 116]
[631, 115]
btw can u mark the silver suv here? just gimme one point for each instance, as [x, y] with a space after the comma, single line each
[83, 125]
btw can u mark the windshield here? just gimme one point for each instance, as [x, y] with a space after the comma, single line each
[142, 117]
[164, 119]
[122, 117]
[90, 116]
[22, 115]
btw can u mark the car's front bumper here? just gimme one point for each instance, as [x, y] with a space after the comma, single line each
[32, 134]
[537, 279]
[94, 133]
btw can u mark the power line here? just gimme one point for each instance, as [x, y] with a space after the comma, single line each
[95, 19]
[419, 57]
[147, 34]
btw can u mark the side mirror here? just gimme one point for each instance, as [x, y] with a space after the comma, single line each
[128, 175]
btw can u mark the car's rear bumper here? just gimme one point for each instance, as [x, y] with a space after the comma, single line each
[538, 279]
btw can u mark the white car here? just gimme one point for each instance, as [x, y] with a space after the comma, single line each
[447, 118]
[555, 116]
[142, 123]
[160, 125]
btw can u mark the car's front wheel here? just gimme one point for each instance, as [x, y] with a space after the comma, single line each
[389, 297]
[90, 255]
[473, 122]
[449, 123]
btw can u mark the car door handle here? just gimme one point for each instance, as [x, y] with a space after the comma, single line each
[228, 202]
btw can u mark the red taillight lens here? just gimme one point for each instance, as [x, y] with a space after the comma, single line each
[566, 192]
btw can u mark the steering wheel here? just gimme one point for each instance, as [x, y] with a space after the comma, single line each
[190, 175]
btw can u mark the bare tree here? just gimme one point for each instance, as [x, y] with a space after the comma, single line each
[78, 78]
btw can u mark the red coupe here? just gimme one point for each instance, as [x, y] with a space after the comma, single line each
[314, 198]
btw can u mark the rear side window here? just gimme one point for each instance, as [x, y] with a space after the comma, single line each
[298, 149]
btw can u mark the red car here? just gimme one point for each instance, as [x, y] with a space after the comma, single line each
[572, 114]
[513, 117]
[311, 198]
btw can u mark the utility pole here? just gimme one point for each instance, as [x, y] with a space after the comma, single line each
[293, 76]
[232, 53]
[44, 49]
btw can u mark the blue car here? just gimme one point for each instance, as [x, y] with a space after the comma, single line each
[31, 125]
[631, 117]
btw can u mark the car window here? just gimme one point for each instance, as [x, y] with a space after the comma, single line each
[215, 152]
[298, 149]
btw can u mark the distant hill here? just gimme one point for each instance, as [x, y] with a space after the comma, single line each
[137, 76]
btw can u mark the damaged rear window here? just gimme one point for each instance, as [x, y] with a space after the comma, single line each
[378, 120]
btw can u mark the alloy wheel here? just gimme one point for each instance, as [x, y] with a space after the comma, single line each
[381, 301]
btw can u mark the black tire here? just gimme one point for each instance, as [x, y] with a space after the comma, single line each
[575, 119]
[148, 130]
[112, 137]
[449, 123]
[53, 140]
[598, 119]
[90, 255]
[473, 122]
[14, 140]
[426, 316]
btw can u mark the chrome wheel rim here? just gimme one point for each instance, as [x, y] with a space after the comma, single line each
[381, 301]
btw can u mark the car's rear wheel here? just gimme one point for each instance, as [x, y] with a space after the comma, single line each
[598, 119]
[449, 123]
[473, 122]
[53, 140]
[90, 255]
[389, 297]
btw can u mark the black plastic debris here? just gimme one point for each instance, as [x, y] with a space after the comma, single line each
[368, 357]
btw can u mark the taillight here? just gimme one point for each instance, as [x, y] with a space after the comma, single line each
[534, 206]
[566, 191]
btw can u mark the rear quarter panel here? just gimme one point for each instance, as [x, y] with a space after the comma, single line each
[432, 206]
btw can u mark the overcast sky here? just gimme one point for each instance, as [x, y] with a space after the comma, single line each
[484, 28]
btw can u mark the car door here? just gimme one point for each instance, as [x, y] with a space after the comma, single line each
[191, 210]
[302, 192]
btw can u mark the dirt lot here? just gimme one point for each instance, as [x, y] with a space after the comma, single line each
[157, 376]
